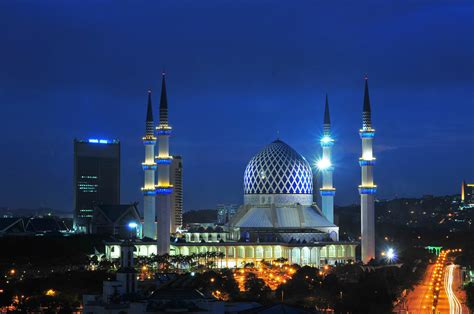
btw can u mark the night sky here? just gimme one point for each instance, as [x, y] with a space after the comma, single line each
[239, 73]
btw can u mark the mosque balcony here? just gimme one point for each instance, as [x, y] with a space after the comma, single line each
[149, 191]
[149, 166]
[367, 189]
[164, 189]
[163, 129]
[326, 141]
[367, 161]
[163, 160]
[367, 133]
[327, 191]
[149, 140]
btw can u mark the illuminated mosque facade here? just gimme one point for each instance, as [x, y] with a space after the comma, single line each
[278, 218]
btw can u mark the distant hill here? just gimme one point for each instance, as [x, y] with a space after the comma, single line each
[203, 216]
[26, 212]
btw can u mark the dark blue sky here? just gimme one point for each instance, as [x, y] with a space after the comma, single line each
[238, 73]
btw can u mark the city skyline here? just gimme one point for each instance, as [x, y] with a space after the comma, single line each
[432, 106]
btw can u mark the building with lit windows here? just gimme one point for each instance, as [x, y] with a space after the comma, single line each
[96, 178]
[467, 193]
[176, 180]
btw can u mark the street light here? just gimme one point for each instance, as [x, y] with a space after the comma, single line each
[391, 255]
[133, 228]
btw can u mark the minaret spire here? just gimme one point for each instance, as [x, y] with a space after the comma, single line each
[149, 117]
[163, 102]
[327, 189]
[327, 120]
[366, 111]
[367, 189]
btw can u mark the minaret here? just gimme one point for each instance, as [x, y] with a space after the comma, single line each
[164, 187]
[149, 167]
[325, 165]
[367, 188]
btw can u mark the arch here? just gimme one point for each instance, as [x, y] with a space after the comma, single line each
[323, 252]
[249, 252]
[314, 256]
[340, 251]
[231, 252]
[277, 252]
[268, 252]
[241, 252]
[295, 255]
[305, 256]
[203, 249]
[259, 252]
[332, 251]
[184, 251]
[194, 250]
[221, 249]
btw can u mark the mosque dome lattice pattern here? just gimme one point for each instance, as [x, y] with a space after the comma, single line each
[278, 169]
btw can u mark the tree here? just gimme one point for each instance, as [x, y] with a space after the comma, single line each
[255, 287]
[470, 295]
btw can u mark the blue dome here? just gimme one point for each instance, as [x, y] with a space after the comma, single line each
[278, 169]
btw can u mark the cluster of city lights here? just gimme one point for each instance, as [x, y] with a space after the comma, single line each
[273, 276]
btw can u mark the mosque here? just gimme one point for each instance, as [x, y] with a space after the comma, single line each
[278, 218]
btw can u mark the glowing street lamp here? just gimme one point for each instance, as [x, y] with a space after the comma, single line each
[391, 255]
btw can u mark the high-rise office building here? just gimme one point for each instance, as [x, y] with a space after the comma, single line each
[96, 178]
[176, 178]
[467, 193]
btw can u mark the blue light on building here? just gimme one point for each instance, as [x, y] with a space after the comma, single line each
[99, 141]
[149, 167]
[163, 132]
[163, 161]
[327, 192]
[149, 142]
[367, 162]
[164, 190]
[367, 189]
[367, 133]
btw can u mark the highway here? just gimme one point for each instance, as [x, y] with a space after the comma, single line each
[439, 292]
[420, 300]
[455, 306]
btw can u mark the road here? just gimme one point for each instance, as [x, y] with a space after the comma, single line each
[420, 299]
[454, 293]
[450, 298]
